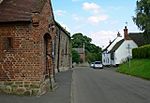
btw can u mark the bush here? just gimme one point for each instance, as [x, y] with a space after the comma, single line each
[75, 56]
[141, 52]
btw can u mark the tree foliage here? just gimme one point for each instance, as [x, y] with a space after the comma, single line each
[92, 51]
[142, 18]
[79, 39]
[75, 56]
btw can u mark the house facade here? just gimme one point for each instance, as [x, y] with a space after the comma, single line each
[121, 51]
[27, 46]
[106, 55]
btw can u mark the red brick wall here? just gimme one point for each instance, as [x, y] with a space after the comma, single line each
[25, 61]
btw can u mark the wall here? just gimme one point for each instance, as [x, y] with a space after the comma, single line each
[106, 60]
[22, 67]
[63, 50]
[122, 52]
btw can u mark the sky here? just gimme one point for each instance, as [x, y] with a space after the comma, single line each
[100, 20]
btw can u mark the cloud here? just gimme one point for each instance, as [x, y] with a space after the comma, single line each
[60, 12]
[97, 18]
[91, 7]
[76, 17]
[97, 13]
[102, 38]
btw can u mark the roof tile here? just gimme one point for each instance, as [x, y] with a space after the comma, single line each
[19, 10]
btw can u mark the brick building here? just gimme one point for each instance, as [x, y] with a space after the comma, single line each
[81, 52]
[28, 49]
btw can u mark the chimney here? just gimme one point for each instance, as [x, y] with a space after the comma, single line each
[119, 35]
[110, 42]
[126, 33]
[1, 1]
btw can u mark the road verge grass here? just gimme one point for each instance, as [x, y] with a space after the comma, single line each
[138, 67]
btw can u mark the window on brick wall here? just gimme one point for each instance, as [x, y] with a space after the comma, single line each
[8, 43]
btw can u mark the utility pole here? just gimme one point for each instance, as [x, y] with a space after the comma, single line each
[129, 48]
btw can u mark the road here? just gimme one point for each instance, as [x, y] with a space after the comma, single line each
[107, 86]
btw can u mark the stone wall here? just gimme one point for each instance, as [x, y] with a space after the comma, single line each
[63, 43]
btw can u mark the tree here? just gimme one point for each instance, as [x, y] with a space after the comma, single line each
[78, 40]
[142, 18]
[75, 56]
[92, 51]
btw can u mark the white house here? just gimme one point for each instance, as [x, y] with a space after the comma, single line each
[106, 56]
[122, 50]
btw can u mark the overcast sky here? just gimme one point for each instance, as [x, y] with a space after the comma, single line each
[97, 19]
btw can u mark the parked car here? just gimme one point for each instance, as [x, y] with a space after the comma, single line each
[98, 65]
[92, 65]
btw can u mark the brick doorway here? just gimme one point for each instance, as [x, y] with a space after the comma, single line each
[47, 56]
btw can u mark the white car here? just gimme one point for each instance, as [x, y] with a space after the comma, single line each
[92, 65]
[98, 64]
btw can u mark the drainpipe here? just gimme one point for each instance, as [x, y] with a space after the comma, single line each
[58, 58]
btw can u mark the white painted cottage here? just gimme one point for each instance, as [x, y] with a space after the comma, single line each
[116, 53]
[106, 56]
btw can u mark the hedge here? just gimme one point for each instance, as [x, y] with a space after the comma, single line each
[141, 52]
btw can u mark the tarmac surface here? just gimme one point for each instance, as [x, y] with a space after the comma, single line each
[107, 86]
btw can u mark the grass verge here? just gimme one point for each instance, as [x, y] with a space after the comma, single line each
[138, 67]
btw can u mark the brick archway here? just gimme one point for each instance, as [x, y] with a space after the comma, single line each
[47, 56]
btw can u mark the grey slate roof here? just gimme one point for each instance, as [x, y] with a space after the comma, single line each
[138, 38]
[109, 45]
[63, 29]
[116, 46]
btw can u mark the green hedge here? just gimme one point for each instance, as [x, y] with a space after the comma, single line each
[141, 52]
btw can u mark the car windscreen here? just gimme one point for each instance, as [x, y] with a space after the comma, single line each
[98, 62]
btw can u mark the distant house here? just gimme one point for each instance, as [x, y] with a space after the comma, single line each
[31, 42]
[106, 56]
[81, 52]
[122, 50]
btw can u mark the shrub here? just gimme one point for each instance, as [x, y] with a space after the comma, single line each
[141, 52]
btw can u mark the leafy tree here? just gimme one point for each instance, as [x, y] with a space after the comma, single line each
[75, 56]
[92, 51]
[78, 40]
[142, 18]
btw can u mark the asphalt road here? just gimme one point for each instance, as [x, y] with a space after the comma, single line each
[107, 86]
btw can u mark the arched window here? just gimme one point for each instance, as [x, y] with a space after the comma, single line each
[8, 43]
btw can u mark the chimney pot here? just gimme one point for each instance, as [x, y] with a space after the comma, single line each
[126, 33]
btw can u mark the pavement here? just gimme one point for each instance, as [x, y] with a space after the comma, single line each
[61, 95]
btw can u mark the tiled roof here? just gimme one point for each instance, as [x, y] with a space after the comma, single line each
[109, 45]
[63, 29]
[19, 10]
[117, 45]
[138, 38]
